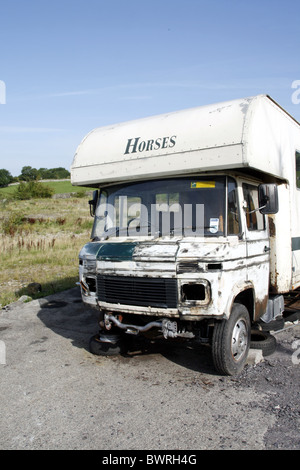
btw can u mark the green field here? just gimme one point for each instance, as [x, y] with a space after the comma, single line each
[40, 240]
[60, 187]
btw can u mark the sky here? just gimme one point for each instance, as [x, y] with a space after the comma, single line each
[69, 66]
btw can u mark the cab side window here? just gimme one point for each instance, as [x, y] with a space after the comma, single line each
[255, 220]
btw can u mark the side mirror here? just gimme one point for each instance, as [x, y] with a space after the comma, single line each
[268, 198]
[93, 203]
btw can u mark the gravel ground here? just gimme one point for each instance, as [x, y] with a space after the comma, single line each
[278, 377]
[56, 395]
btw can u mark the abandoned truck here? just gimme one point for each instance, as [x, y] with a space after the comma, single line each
[196, 231]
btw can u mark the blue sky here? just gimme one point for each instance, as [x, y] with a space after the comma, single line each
[71, 65]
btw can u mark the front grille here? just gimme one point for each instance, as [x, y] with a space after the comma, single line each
[139, 291]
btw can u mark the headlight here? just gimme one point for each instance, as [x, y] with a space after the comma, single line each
[89, 265]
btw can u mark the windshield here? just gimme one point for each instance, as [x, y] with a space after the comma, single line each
[176, 207]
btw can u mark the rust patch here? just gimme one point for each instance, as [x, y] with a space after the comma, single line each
[260, 308]
[272, 227]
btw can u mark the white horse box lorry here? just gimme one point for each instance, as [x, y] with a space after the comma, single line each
[196, 229]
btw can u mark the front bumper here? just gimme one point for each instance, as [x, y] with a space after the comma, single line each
[169, 328]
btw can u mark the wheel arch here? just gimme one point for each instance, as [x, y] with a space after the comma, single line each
[242, 294]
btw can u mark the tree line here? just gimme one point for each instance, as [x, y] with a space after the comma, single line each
[32, 174]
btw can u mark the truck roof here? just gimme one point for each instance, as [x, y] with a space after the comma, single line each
[253, 132]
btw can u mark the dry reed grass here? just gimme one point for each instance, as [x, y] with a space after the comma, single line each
[39, 242]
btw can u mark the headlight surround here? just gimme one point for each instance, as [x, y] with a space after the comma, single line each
[194, 292]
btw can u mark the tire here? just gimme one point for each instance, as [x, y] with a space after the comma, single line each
[291, 316]
[231, 341]
[264, 341]
[274, 325]
[104, 344]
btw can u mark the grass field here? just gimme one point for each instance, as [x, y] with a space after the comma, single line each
[40, 240]
[60, 187]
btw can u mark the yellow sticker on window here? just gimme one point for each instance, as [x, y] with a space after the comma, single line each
[203, 184]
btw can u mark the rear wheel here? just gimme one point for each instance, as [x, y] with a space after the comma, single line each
[231, 341]
[274, 325]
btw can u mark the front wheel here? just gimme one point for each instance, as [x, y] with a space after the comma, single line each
[231, 341]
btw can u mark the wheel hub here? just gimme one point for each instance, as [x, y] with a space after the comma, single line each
[239, 341]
